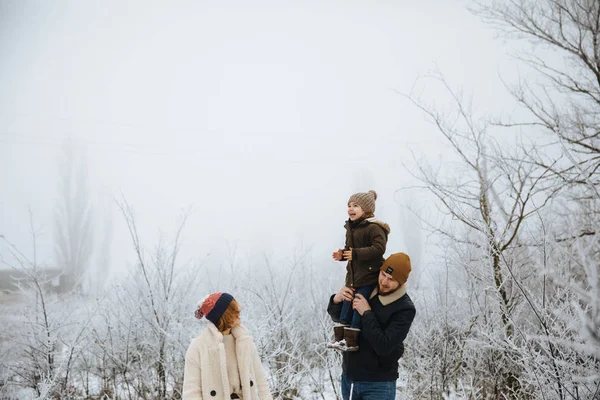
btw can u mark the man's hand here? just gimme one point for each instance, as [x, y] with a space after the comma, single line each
[337, 255]
[360, 304]
[348, 254]
[345, 293]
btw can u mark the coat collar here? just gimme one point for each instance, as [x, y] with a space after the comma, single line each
[214, 332]
[390, 298]
[239, 332]
[373, 220]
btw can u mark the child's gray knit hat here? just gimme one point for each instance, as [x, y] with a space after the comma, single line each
[366, 201]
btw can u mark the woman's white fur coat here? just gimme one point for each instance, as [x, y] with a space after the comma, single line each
[205, 375]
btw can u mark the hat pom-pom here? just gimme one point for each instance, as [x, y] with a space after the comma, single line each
[374, 194]
[201, 302]
[198, 314]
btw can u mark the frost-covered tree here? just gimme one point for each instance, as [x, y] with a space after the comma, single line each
[73, 219]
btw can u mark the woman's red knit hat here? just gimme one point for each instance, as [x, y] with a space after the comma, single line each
[213, 306]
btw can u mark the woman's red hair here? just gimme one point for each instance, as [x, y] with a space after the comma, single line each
[231, 314]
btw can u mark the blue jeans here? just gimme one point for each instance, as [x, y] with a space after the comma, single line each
[362, 390]
[348, 315]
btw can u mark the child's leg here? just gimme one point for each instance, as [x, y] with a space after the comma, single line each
[346, 313]
[365, 291]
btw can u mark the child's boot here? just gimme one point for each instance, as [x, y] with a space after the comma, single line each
[338, 337]
[351, 338]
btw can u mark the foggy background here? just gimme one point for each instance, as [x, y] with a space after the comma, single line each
[257, 122]
[262, 118]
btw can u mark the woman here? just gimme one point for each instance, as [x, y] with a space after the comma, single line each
[223, 363]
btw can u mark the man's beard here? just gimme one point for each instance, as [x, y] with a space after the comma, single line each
[382, 293]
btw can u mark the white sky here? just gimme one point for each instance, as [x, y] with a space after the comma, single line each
[264, 117]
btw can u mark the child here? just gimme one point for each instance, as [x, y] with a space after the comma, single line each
[366, 239]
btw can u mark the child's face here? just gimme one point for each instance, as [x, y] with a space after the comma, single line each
[354, 211]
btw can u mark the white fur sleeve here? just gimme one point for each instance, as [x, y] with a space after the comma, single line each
[261, 380]
[192, 379]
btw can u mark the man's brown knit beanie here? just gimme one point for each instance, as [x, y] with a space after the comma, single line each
[398, 266]
[366, 201]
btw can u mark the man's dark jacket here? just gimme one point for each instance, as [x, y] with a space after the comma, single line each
[381, 341]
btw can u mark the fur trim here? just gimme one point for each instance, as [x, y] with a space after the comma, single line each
[223, 359]
[392, 297]
[382, 224]
[240, 332]
[216, 337]
[213, 331]
[373, 293]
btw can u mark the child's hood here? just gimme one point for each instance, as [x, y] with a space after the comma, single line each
[382, 224]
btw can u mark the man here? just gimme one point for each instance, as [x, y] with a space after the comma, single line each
[371, 372]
